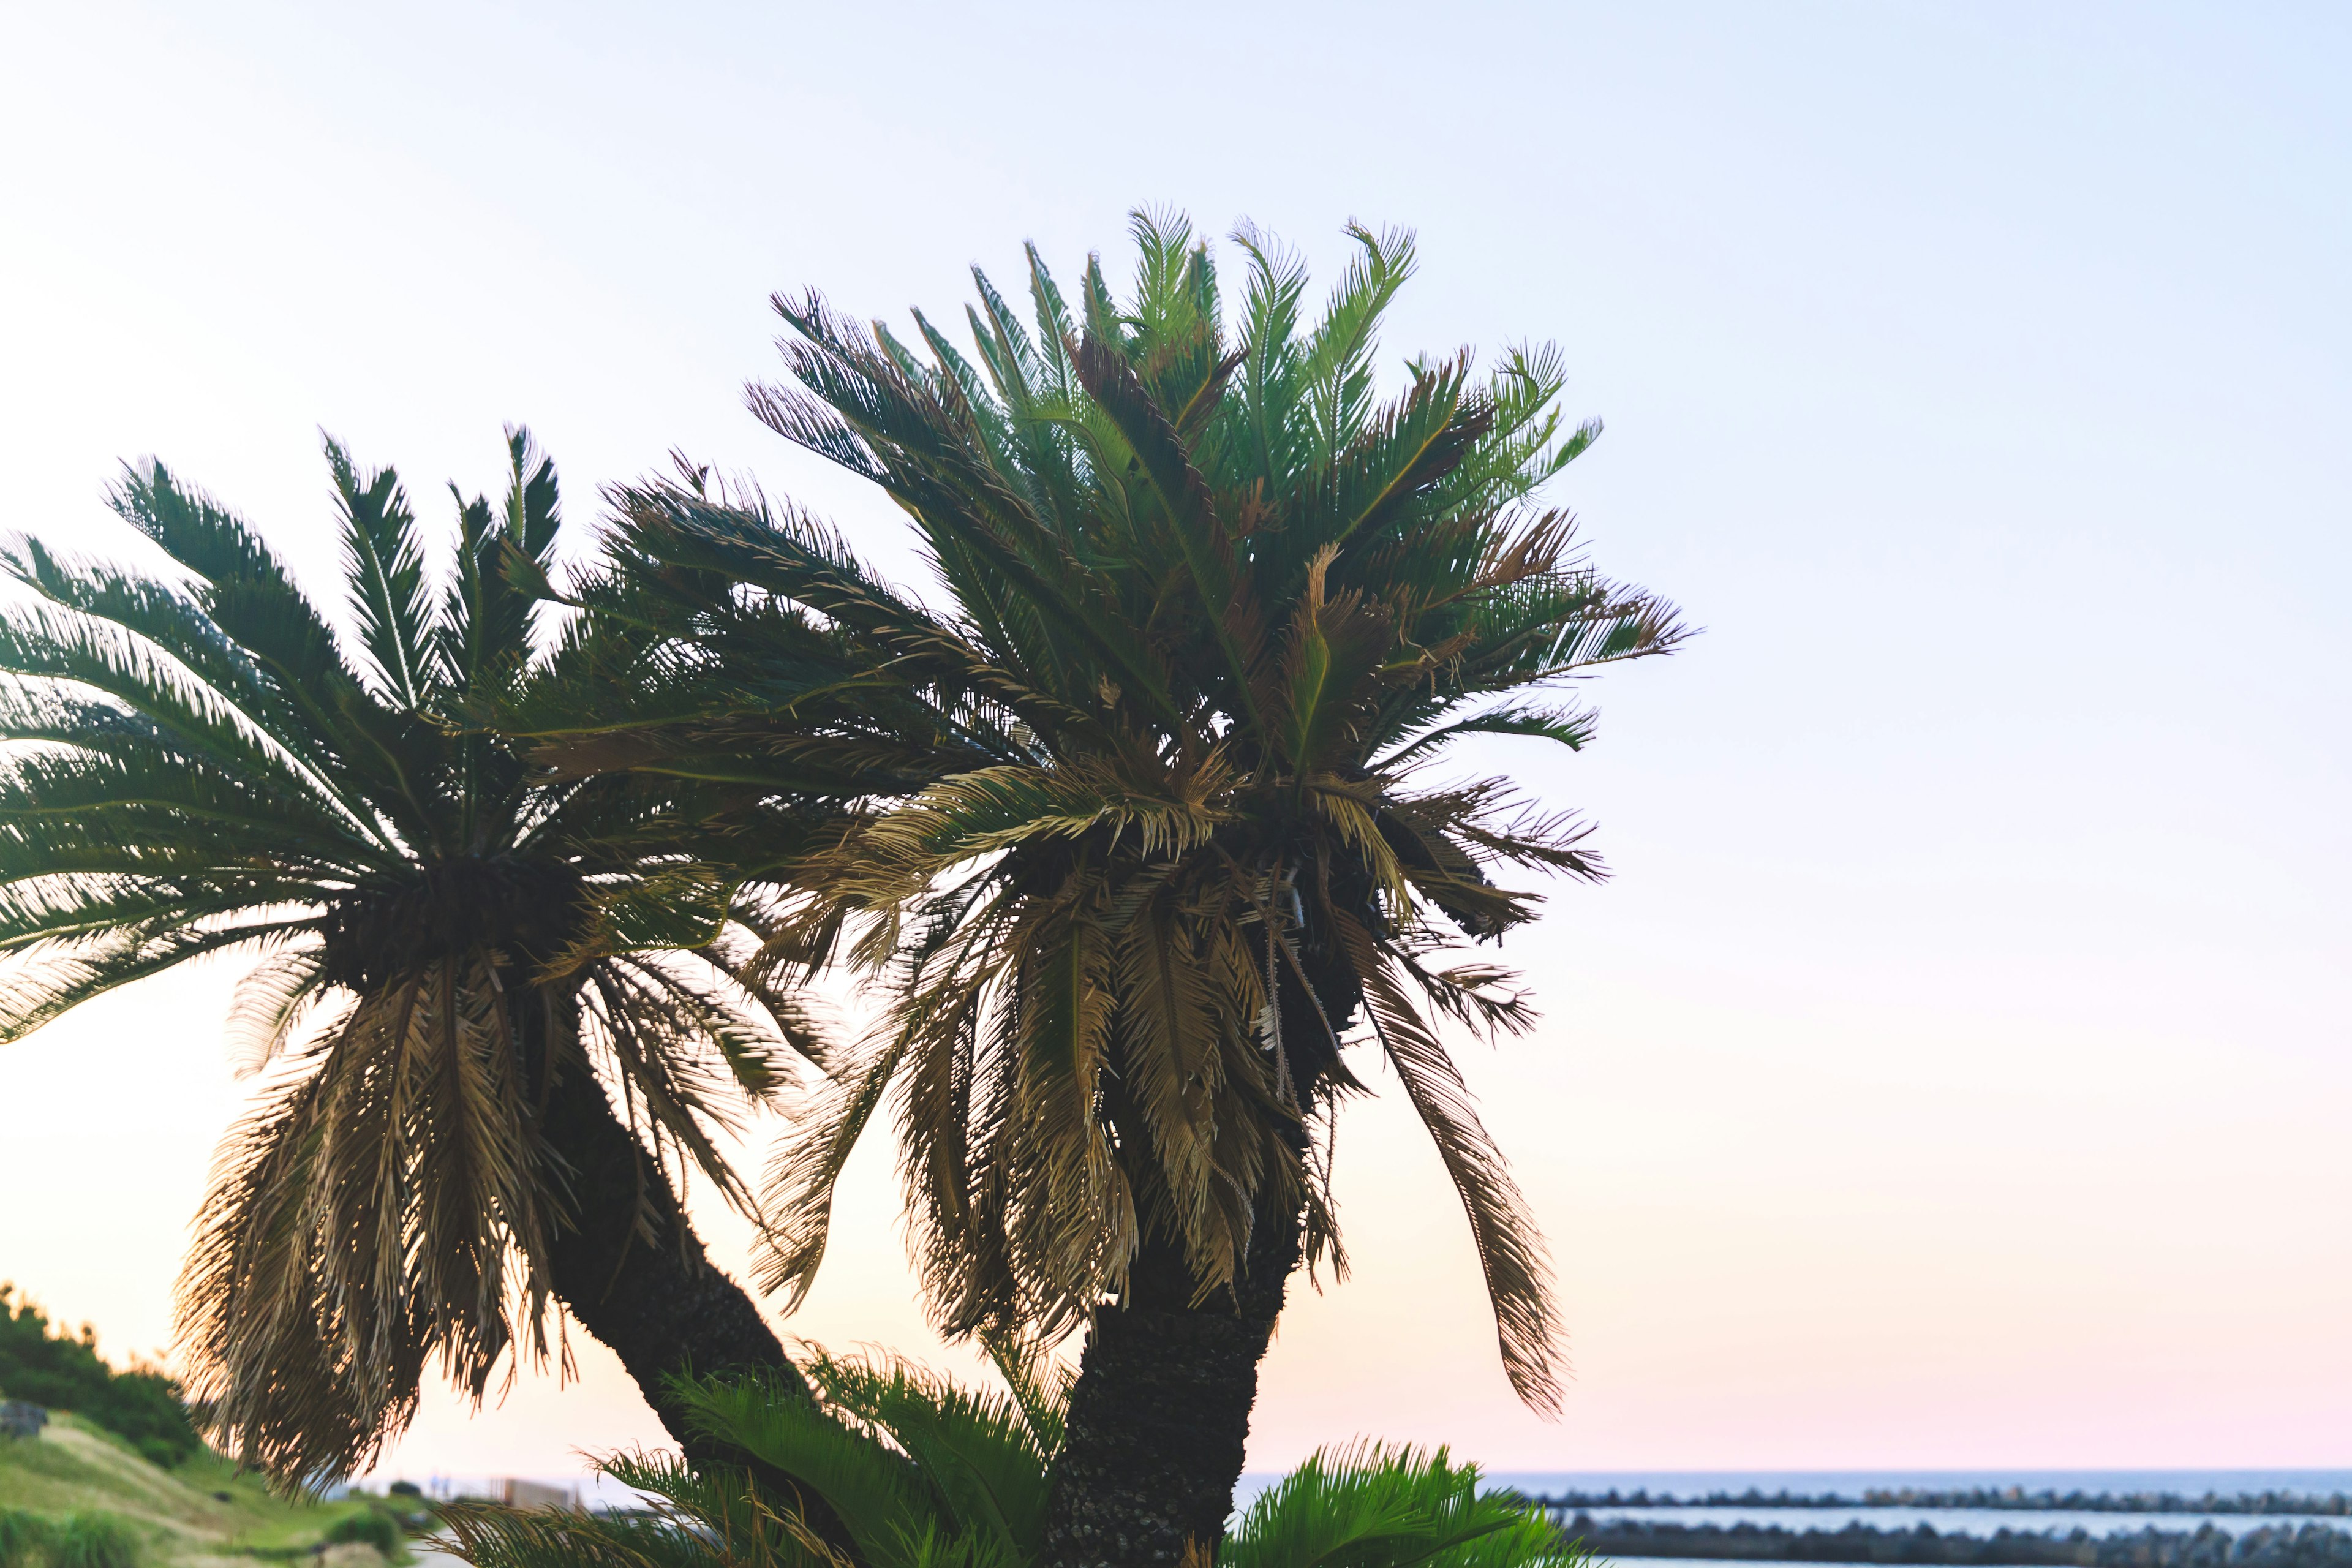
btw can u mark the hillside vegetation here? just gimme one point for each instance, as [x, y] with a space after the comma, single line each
[64, 1371]
[199, 1514]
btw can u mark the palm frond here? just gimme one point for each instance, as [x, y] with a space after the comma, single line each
[384, 563]
[1510, 1252]
[1385, 1506]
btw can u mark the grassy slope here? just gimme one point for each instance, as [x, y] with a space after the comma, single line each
[75, 1465]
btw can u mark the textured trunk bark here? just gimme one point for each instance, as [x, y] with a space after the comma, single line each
[655, 1301]
[660, 1305]
[1161, 1410]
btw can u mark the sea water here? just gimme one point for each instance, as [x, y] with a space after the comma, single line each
[1686, 1485]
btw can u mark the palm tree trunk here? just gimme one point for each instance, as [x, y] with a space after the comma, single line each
[1161, 1413]
[658, 1304]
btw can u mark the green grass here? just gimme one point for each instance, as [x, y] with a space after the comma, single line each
[199, 1514]
[69, 1540]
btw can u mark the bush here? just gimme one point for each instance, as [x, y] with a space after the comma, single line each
[75, 1540]
[22, 1535]
[92, 1541]
[380, 1531]
[64, 1373]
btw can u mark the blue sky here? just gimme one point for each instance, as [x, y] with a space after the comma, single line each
[1955, 1072]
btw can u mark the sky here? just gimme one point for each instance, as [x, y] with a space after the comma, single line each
[1955, 1071]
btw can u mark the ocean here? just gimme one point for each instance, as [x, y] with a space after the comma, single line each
[1689, 1484]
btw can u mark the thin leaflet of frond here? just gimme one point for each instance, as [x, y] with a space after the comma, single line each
[1494, 822]
[976, 1449]
[1272, 355]
[49, 713]
[352, 1297]
[810, 423]
[1553, 842]
[1183, 494]
[1076, 1209]
[975, 814]
[1040, 1387]
[165, 620]
[383, 561]
[960, 389]
[935, 1105]
[781, 1016]
[61, 891]
[1524, 449]
[1510, 1251]
[271, 1003]
[957, 1105]
[1544, 628]
[494, 1537]
[1405, 448]
[876, 1492]
[1636, 626]
[986, 1286]
[259, 1332]
[798, 1184]
[1036, 390]
[1164, 248]
[667, 1037]
[54, 983]
[1482, 996]
[1523, 544]
[1336, 369]
[1441, 873]
[246, 592]
[1179, 1030]
[1097, 308]
[476, 1165]
[983, 524]
[1568, 726]
[216, 711]
[1022, 377]
[135, 794]
[660, 909]
[1057, 329]
[903, 631]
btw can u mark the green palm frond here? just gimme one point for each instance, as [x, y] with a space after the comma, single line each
[1385, 1506]
[384, 563]
[936, 1476]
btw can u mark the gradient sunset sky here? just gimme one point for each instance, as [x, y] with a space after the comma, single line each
[1956, 1071]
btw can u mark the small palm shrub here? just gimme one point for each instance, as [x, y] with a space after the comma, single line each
[1383, 1506]
[925, 1474]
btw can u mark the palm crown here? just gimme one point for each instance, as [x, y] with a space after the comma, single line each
[1143, 816]
[209, 767]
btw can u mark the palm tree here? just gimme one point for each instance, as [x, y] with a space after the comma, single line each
[1142, 825]
[930, 1475]
[205, 766]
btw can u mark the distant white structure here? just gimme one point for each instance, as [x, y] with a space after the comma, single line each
[514, 1491]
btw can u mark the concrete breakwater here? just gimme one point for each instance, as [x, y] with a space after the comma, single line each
[2008, 1499]
[2273, 1546]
